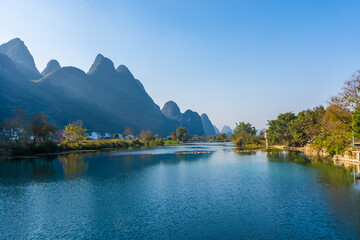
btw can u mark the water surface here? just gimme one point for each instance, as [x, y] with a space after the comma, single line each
[195, 191]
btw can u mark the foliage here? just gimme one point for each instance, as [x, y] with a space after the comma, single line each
[306, 126]
[116, 136]
[75, 132]
[128, 131]
[221, 138]
[246, 127]
[40, 129]
[182, 133]
[279, 131]
[335, 132]
[171, 142]
[173, 135]
[245, 136]
[147, 136]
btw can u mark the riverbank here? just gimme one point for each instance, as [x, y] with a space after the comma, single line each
[45, 148]
[350, 159]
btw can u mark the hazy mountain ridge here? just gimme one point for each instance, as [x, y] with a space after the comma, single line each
[52, 66]
[16, 50]
[207, 125]
[197, 125]
[227, 130]
[105, 98]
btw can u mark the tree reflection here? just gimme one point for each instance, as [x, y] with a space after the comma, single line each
[328, 173]
[27, 168]
[73, 164]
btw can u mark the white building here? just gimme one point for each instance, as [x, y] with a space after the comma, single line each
[129, 137]
[95, 136]
[120, 135]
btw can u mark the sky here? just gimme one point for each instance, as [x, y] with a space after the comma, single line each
[237, 61]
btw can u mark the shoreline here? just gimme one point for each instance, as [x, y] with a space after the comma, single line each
[349, 161]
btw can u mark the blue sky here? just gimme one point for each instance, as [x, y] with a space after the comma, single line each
[235, 60]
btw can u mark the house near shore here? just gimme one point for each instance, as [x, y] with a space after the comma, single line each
[128, 137]
[120, 135]
[95, 136]
[107, 135]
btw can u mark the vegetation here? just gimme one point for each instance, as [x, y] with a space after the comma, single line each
[221, 138]
[182, 133]
[332, 128]
[75, 132]
[245, 136]
[22, 136]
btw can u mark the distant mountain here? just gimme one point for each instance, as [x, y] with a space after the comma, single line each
[105, 98]
[217, 131]
[227, 130]
[16, 50]
[16, 90]
[171, 111]
[190, 119]
[208, 126]
[52, 66]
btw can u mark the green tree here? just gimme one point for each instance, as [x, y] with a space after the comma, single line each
[181, 133]
[247, 127]
[75, 132]
[221, 137]
[279, 131]
[116, 136]
[306, 126]
[335, 135]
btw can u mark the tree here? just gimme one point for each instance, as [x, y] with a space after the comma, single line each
[40, 129]
[279, 131]
[181, 133]
[335, 134]
[247, 127]
[221, 137]
[75, 131]
[173, 135]
[349, 97]
[128, 131]
[147, 136]
[116, 136]
[306, 126]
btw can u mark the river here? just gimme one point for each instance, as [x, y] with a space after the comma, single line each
[193, 191]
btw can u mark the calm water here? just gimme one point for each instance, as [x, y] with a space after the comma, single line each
[167, 193]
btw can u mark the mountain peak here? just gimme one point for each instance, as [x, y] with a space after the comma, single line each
[171, 110]
[101, 65]
[52, 66]
[122, 69]
[227, 130]
[208, 126]
[16, 50]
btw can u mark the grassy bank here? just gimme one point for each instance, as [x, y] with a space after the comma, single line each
[29, 149]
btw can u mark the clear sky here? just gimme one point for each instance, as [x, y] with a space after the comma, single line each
[235, 60]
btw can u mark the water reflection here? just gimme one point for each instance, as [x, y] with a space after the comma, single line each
[73, 164]
[328, 173]
[27, 168]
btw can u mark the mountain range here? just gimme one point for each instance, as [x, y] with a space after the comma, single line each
[106, 99]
